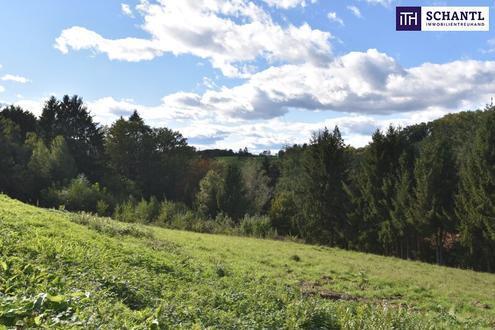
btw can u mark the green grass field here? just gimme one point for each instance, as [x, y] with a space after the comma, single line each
[77, 271]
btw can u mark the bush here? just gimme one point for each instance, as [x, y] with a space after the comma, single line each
[168, 212]
[257, 226]
[186, 221]
[282, 212]
[147, 212]
[178, 216]
[102, 208]
[208, 195]
[143, 212]
[80, 195]
[125, 212]
[224, 224]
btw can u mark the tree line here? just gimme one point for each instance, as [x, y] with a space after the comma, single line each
[424, 192]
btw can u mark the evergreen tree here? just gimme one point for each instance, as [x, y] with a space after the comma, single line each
[129, 149]
[400, 213]
[476, 198]
[48, 119]
[71, 119]
[436, 185]
[373, 192]
[25, 120]
[15, 178]
[171, 162]
[323, 199]
[232, 199]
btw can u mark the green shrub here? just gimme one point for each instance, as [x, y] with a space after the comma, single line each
[79, 195]
[147, 212]
[187, 220]
[125, 212]
[168, 211]
[257, 226]
[282, 213]
[178, 216]
[224, 224]
[102, 208]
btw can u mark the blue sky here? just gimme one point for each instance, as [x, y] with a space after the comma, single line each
[234, 73]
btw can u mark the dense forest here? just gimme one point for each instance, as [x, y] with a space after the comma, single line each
[424, 192]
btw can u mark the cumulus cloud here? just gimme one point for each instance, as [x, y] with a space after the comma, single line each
[355, 11]
[128, 49]
[178, 106]
[228, 33]
[332, 16]
[361, 91]
[369, 89]
[2, 89]
[33, 106]
[359, 82]
[286, 4]
[15, 78]
[364, 83]
[276, 133]
[126, 10]
[384, 3]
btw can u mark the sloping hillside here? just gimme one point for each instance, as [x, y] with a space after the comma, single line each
[66, 270]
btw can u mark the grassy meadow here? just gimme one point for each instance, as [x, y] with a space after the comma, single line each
[64, 270]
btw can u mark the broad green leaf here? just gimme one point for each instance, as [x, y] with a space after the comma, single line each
[55, 299]
[37, 320]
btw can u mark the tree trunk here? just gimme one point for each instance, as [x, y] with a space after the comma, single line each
[439, 246]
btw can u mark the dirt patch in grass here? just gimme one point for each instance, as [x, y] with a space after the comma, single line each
[317, 289]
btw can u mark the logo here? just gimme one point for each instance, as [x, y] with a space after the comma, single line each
[408, 18]
[442, 19]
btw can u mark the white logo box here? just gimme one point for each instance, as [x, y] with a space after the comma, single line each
[455, 18]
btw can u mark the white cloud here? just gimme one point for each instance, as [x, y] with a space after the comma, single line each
[228, 33]
[490, 47]
[126, 10]
[2, 89]
[362, 83]
[355, 11]
[128, 49]
[34, 106]
[15, 78]
[286, 4]
[361, 90]
[370, 90]
[366, 84]
[276, 133]
[273, 134]
[385, 3]
[174, 107]
[332, 16]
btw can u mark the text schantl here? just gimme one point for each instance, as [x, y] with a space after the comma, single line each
[443, 19]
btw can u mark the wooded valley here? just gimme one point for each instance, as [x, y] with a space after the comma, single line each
[424, 192]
